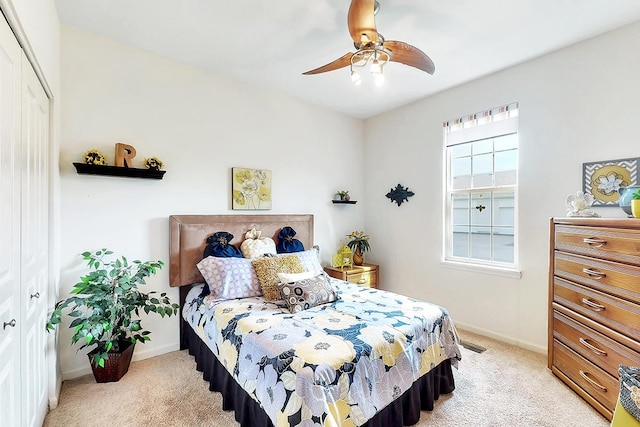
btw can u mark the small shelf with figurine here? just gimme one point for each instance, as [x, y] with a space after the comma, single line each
[87, 169]
[345, 202]
[95, 164]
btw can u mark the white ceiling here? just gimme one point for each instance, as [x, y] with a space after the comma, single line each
[270, 43]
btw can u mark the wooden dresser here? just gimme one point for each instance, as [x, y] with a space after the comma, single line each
[594, 310]
[363, 275]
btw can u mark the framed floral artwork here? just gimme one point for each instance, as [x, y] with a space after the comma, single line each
[251, 189]
[603, 179]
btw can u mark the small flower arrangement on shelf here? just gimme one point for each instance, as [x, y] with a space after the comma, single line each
[153, 163]
[94, 157]
[343, 195]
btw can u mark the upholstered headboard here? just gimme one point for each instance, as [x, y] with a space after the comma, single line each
[188, 235]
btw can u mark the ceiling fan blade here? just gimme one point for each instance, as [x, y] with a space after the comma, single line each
[361, 21]
[343, 61]
[409, 55]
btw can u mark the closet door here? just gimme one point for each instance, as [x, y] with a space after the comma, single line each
[24, 234]
[34, 244]
[10, 190]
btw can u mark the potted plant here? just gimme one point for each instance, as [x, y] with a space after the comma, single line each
[635, 204]
[103, 305]
[359, 244]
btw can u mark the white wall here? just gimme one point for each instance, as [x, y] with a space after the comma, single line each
[200, 125]
[576, 105]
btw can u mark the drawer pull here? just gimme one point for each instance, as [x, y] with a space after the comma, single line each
[593, 241]
[362, 281]
[585, 375]
[594, 274]
[593, 305]
[593, 348]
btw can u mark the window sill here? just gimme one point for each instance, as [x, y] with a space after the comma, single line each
[486, 269]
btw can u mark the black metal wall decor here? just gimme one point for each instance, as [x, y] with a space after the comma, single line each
[399, 194]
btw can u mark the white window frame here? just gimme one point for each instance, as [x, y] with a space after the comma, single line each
[488, 124]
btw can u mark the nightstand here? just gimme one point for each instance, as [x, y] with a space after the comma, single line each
[363, 275]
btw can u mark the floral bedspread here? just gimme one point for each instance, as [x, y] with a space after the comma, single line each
[334, 364]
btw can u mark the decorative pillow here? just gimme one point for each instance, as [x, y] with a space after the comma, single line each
[293, 277]
[255, 246]
[267, 269]
[306, 293]
[310, 260]
[287, 243]
[219, 245]
[230, 278]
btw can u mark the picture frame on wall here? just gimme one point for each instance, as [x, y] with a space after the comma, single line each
[250, 189]
[602, 179]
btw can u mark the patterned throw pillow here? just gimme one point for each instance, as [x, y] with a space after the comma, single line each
[230, 278]
[267, 270]
[306, 293]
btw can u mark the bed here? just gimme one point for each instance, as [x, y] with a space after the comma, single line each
[368, 358]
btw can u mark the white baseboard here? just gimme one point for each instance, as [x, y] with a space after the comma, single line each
[499, 337]
[139, 354]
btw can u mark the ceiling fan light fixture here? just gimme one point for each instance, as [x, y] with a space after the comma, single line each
[376, 68]
[378, 79]
[355, 78]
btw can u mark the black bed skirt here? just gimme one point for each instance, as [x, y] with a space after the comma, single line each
[404, 411]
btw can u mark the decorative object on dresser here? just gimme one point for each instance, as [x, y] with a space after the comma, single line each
[626, 198]
[399, 194]
[363, 275]
[594, 310]
[578, 205]
[635, 204]
[105, 305]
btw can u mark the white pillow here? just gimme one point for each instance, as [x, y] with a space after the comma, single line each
[294, 277]
[255, 246]
[310, 260]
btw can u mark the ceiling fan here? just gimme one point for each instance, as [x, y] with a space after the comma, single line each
[372, 48]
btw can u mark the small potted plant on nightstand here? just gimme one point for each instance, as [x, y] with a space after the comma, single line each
[103, 306]
[359, 244]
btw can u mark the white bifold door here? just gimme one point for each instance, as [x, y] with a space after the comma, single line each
[24, 237]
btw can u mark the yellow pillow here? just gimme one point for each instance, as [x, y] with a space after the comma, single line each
[267, 270]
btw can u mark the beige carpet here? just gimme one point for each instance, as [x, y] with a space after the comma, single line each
[503, 386]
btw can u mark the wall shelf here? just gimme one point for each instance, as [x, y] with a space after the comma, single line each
[345, 202]
[85, 169]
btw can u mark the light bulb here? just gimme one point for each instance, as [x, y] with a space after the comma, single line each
[378, 79]
[355, 78]
[376, 69]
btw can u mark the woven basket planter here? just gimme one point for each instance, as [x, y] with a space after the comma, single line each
[115, 366]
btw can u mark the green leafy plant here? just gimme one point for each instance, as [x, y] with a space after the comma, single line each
[359, 241]
[104, 302]
[636, 195]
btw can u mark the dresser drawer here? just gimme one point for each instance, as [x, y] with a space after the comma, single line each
[366, 278]
[592, 345]
[593, 380]
[615, 313]
[615, 244]
[611, 277]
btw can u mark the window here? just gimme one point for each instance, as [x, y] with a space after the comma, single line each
[481, 191]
